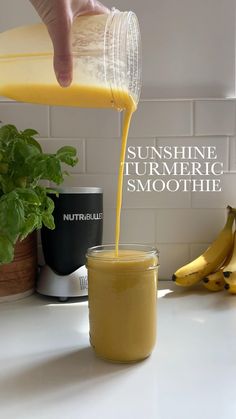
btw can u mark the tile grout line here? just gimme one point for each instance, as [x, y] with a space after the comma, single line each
[49, 122]
[217, 135]
[189, 252]
[188, 99]
[192, 129]
[229, 141]
[191, 193]
[85, 156]
[155, 225]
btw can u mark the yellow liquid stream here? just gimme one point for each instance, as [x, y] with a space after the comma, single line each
[122, 288]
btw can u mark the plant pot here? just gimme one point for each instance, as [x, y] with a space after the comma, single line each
[18, 278]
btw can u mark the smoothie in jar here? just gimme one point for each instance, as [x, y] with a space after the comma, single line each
[122, 301]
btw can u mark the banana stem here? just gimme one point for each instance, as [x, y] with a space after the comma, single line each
[231, 216]
[231, 209]
[230, 220]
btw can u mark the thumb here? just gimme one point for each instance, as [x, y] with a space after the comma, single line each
[60, 33]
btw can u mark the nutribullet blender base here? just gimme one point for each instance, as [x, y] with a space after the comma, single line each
[63, 286]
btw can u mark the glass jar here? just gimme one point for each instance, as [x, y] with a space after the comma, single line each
[106, 63]
[122, 294]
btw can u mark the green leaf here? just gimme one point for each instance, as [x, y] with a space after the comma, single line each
[4, 167]
[29, 132]
[35, 143]
[49, 204]
[21, 181]
[47, 166]
[24, 151]
[21, 163]
[32, 222]
[52, 191]
[54, 170]
[28, 195]
[48, 221]
[6, 184]
[11, 215]
[67, 154]
[8, 132]
[6, 249]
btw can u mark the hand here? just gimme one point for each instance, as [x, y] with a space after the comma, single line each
[58, 16]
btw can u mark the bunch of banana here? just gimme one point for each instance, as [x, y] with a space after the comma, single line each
[231, 283]
[229, 271]
[215, 281]
[211, 260]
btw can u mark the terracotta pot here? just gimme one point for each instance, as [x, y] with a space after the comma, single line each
[18, 278]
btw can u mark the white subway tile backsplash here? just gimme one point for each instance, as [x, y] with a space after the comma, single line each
[107, 182]
[84, 123]
[220, 144]
[215, 117]
[197, 249]
[103, 155]
[137, 226]
[188, 225]
[51, 145]
[26, 116]
[232, 154]
[172, 257]
[227, 196]
[162, 118]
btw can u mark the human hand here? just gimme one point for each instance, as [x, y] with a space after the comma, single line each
[58, 16]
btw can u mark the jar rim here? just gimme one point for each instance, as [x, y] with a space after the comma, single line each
[148, 251]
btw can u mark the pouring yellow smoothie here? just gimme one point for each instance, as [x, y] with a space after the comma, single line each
[122, 280]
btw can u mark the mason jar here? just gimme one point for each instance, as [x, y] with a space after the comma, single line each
[122, 292]
[106, 63]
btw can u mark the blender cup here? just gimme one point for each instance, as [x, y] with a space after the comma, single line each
[106, 59]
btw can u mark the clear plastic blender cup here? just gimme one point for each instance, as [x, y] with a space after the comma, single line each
[106, 57]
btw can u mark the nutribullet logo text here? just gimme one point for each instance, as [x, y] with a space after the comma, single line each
[83, 217]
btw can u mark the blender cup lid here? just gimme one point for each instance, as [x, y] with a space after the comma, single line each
[79, 190]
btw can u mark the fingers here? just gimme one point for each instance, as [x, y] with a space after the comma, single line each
[60, 33]
[58, 15]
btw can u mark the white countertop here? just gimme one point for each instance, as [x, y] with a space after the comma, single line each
[48, 369]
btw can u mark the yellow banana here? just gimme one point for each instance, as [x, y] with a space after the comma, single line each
[231, 283]
[214, 281]
[211, 259]
[231, 265]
